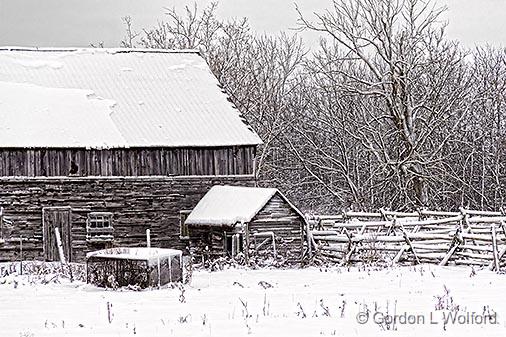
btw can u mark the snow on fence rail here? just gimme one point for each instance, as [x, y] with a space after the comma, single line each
[467, 237]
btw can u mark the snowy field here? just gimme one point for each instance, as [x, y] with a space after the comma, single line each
[306, 302]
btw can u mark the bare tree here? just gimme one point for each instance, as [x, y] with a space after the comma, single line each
[393, 56]
[130, 35]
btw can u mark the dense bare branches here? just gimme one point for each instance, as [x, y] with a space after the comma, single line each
[392, 57]
[386, 112]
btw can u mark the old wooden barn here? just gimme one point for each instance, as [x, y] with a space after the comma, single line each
[250, 220]
[106, 143]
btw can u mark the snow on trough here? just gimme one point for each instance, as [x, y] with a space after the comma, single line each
[140, 267]
[144, 253]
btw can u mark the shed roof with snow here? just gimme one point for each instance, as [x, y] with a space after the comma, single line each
[229, 205]
[107, 98]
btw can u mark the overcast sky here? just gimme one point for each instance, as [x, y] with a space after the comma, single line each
[81, 22]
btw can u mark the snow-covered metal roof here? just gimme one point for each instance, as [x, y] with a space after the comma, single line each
[229, 205]
[96, 97]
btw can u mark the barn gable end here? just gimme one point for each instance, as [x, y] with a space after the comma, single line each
[281, 218]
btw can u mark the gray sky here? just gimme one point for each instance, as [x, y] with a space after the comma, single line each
[81, 22]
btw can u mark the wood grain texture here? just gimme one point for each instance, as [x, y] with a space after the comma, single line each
[234, 160]
[279, 217]
[138, 203]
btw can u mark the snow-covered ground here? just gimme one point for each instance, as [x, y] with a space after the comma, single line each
[305, 302]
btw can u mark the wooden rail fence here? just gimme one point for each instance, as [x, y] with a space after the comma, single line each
[467, 237]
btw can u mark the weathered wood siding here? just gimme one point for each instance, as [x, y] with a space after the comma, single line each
[279, 217]
[207, 242]
[137, 203]
[234, 160]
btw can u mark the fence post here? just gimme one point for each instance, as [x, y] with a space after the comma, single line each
[494, 248]
[308, 238]
[245, 229]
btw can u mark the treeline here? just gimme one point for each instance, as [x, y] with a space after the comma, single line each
[386, 112]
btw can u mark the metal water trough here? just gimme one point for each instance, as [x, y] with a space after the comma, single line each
[142, 267]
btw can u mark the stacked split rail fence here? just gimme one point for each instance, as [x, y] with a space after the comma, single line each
[466, 237]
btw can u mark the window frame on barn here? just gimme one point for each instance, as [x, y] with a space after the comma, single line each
[99, 226]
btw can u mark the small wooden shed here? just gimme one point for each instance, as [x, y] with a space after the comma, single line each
[230, 220]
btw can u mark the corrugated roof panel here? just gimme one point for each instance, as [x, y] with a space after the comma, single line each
[162, 98]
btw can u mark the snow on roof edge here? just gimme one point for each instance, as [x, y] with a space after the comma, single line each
[111, 50]
[138, 146]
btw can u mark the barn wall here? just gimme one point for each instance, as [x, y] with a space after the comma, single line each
[127, 162]
[279, 217]
[137, 203]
